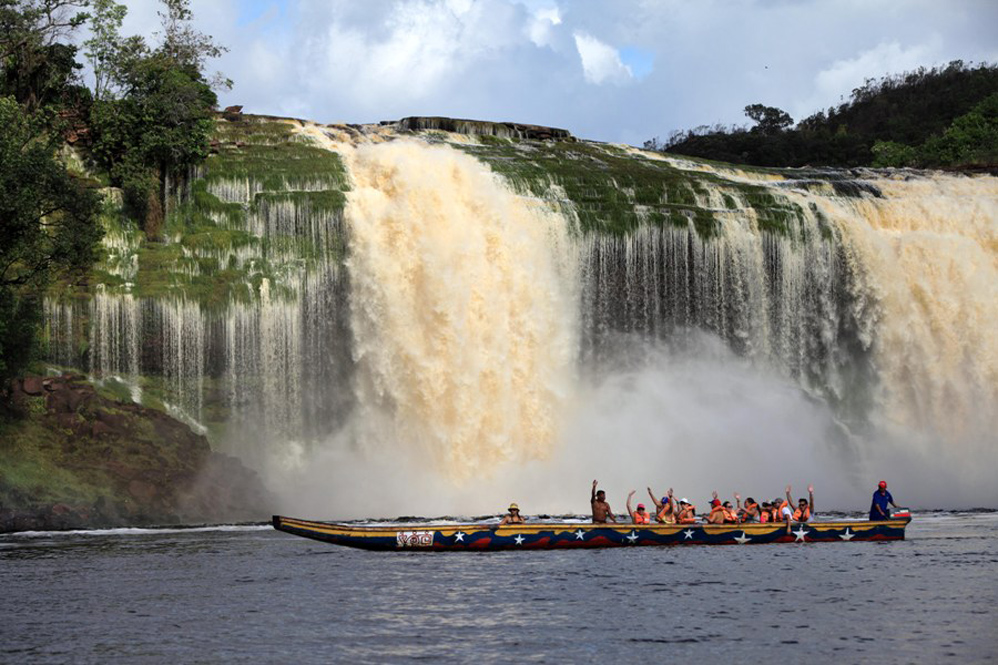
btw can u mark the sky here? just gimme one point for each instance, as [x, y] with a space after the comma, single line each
[610, 70]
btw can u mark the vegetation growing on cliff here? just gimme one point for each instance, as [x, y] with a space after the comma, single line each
[935, 117]
[147, 121]
[47, 217]
[613, 191]
[152, 114]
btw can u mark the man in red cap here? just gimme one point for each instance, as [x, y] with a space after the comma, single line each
[881, 499]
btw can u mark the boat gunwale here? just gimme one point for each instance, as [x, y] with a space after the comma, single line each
[361, 530]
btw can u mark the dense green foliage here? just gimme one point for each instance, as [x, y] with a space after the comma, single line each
[153, 114]
[38, 70]
[47, 227]
[970, 142]
[148, 120]
[930, 118]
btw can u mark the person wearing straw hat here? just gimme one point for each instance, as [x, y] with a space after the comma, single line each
[513, 516]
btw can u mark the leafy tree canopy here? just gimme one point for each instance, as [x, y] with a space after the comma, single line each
[915, 118]
[47, 228]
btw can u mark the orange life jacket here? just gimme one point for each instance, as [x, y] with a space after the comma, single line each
[778, 512]
[641, 518]
[665, 515]
[714, 511]
[802, 516]
[689, 516]
[729, 515]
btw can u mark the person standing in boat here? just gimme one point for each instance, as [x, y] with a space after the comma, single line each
[881, 499]
[639, 516]
[513, 516]
[601, 509]
[665, 510]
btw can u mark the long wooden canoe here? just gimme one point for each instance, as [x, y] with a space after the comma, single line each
[566, 535]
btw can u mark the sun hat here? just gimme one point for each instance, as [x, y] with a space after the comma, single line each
[513, 506]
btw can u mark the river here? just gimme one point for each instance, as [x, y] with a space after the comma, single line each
[238, 593]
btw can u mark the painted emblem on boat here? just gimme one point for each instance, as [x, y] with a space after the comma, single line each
[414, 539]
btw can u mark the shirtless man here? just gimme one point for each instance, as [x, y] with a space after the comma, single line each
[601, 509]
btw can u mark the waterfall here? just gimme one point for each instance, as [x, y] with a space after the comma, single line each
[463, 312]
[926, 259]
[456, 301]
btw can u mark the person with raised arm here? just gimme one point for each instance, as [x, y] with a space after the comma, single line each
[639, 516]
[601, 509]
[665, 510]
[805, 507]
[687, 512]
[717, 514]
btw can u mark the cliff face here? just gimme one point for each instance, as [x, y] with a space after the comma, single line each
[75, 458]
[246, 322]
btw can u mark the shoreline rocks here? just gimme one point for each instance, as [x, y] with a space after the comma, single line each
[74, 459]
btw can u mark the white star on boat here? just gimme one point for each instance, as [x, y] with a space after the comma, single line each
[846, 535]
[580, 535]
[688, 533]
[801, 533]
[633, 537]
[519, 539]
[741, 540]
[458, 537]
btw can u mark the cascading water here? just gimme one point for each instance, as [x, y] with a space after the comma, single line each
[722, 314]
[463, 314]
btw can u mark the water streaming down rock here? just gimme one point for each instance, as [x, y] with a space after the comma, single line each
[463, 310]
[469, 309]
[781, 299]
[882, 301]
[242, 330]
[925, 256]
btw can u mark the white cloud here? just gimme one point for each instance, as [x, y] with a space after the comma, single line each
[543, 24]
[601, 62]
[585, 66]
[833, 84]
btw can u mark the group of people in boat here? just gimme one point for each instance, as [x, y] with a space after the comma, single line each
[669, 510]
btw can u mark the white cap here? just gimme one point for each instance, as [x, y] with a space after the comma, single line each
[683, 500]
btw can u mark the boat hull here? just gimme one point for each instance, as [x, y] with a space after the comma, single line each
[562, 535]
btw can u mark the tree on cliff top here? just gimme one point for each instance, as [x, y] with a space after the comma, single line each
[47, 228]
[154, 116]
[37, 66]
[895, 113]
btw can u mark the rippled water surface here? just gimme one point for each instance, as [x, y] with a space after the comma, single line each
[250, 593]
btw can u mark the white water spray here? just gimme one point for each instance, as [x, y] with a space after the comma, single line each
[463, 313]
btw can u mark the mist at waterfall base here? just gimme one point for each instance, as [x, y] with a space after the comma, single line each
[477, 383]
[695, 418]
